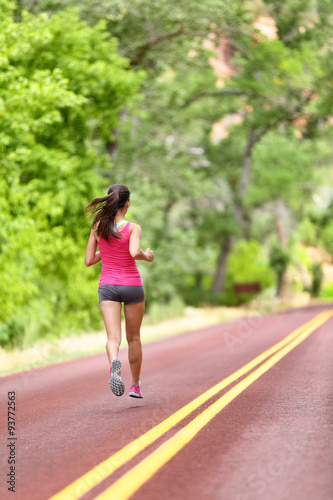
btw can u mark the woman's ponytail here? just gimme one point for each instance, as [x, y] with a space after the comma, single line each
[106, 208]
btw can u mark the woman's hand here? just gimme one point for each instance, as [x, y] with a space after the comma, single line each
[150, 255]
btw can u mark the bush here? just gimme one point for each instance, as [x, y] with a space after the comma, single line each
[317, 279]
[61, 94]
[307, 232]
[160, 312]
[327, 237]
[327, 292]
[247, 263]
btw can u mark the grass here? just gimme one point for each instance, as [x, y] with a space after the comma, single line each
[43, 353]
[75, 346]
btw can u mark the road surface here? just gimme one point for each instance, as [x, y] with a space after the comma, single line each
[262, 427]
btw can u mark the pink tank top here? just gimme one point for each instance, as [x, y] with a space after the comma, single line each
[118, 266]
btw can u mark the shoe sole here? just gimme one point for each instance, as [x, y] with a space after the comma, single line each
[116, 384]
[134, 395]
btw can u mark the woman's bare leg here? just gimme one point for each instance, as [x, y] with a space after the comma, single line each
[111, 312]
[133, 319]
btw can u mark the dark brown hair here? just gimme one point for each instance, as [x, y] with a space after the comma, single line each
[106, 209]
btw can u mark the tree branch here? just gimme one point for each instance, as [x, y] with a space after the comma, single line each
[146, 47]
[218, 93]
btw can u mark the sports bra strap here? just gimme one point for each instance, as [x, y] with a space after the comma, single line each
[118, 224]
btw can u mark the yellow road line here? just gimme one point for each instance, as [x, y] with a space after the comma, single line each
[130, 482]
[111, 464]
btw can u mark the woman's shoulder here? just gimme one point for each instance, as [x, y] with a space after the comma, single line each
[134, 227]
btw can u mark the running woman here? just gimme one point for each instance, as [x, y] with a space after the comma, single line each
[119, 247]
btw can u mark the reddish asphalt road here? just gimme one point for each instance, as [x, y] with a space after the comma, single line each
[274, 441]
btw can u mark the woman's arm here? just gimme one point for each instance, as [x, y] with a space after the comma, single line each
[134, 246]
[92, 257]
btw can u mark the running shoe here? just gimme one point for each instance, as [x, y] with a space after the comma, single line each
[135, 391]
[116, 383]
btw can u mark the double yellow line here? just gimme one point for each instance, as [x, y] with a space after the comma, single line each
[137, 476]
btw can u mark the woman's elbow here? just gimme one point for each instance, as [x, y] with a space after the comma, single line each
[88, 262]
[135, 253]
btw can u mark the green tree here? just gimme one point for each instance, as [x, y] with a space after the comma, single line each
[275, 87]
[199, 198]
[317, 280]
[61, 93]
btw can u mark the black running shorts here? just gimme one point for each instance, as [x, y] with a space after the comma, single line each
[121, 293]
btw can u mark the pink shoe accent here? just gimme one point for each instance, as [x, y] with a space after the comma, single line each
[135, 391]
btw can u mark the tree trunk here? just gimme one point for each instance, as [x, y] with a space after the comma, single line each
[279, 224]
[112, 146]
[281, 286]
[219, 280]
[18, 11]
[247, 161]
[220, 275]
[253, 137]
[245, 181]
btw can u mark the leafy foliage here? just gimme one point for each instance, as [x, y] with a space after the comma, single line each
[247, 264]
[317, 279]
[61, 92]
[95, 93]
[327, 292]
